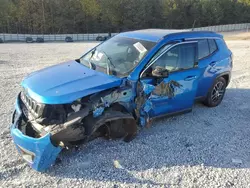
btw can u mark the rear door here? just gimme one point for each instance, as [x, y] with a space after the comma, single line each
[209, 57]
[177, 91]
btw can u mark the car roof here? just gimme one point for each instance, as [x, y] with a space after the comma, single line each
[155, 35]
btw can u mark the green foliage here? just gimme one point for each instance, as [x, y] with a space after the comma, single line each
[88, 16]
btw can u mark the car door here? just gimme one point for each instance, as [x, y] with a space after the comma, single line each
[175, 92]
[208, 59]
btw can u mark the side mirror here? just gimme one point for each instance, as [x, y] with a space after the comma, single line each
[160, 72]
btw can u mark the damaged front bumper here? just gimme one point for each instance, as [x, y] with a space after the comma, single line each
[40, 153]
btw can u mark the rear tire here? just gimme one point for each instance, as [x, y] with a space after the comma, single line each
[216, 93]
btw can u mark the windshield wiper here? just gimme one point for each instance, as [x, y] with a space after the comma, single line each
[90, 63]
[109, 62]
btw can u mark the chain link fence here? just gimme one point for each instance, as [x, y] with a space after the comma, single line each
[93, 37]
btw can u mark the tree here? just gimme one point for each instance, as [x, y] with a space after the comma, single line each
[88, 16]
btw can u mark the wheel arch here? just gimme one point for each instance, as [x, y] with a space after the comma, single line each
[225, 75]
[115, 112]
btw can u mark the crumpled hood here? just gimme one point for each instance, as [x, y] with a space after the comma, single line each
[66, 82]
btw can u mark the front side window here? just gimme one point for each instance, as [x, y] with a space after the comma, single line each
[118, 56]
[180, 57]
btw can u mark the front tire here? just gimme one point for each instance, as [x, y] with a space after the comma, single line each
[216, 93]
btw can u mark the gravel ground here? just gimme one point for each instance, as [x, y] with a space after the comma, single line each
[208, 147]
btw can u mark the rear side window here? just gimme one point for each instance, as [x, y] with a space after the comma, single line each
[212, 45]
[203, 48]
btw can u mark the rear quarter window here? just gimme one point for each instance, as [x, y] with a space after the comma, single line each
[203, 48]
[212, 45]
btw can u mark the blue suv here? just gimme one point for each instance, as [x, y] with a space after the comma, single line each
[122, 83]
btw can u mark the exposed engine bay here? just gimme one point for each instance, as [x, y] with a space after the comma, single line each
[101, 114]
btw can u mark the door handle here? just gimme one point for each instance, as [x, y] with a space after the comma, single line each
[212, 64]
[189, 78]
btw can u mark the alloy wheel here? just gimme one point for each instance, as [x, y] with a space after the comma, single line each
[218, 92]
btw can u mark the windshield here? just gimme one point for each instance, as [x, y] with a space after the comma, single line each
[118, 56]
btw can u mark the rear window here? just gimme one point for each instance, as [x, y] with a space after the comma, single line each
[212, 45]
[203, 48]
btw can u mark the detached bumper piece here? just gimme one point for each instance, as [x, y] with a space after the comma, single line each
[40, 153]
